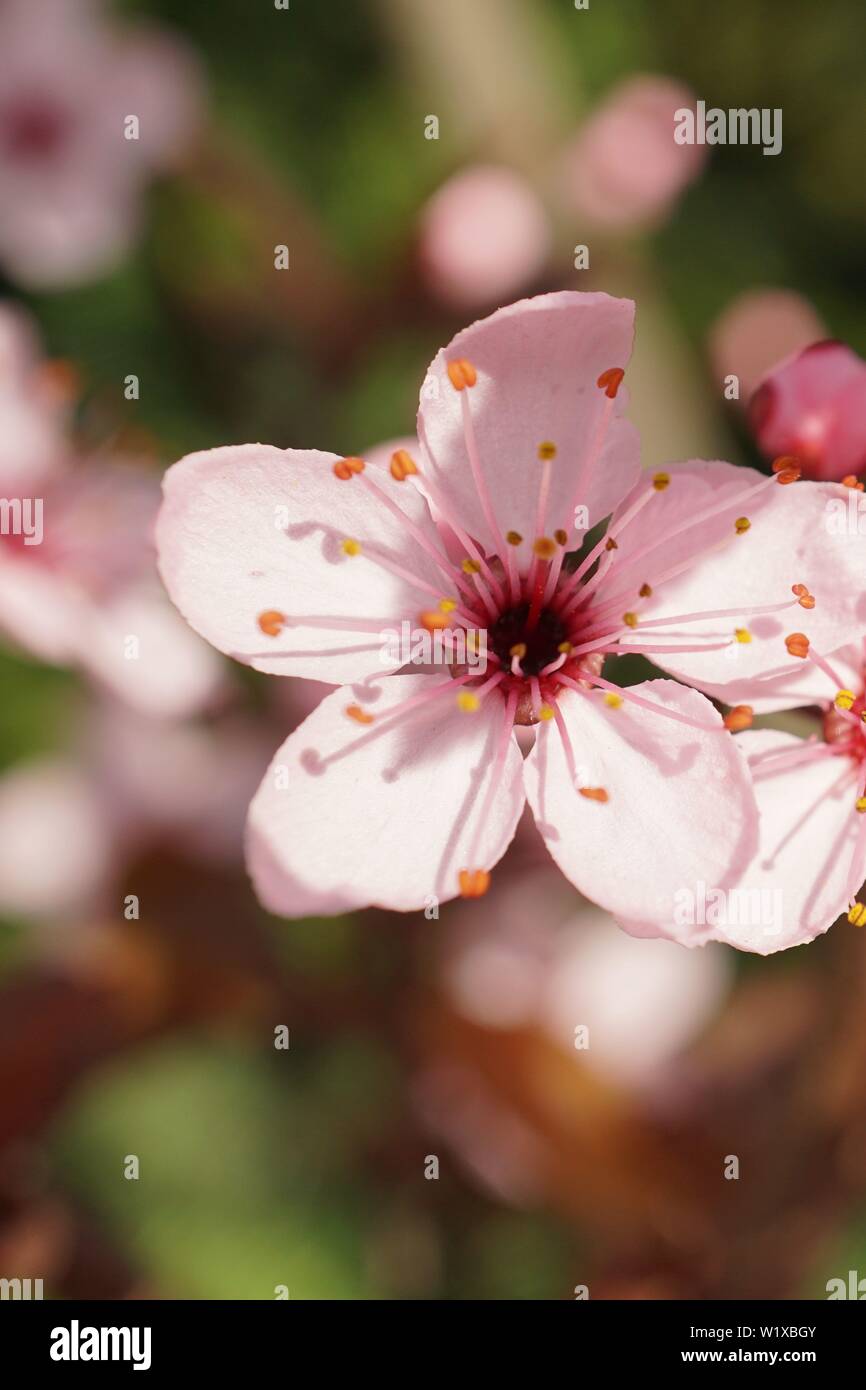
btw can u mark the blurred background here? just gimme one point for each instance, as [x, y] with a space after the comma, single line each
[378, 1106]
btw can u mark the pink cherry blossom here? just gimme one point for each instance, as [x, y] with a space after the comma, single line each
[811, 794]
[482, 235]
[406, 785]
[71, 169]
[624, 167]
[813, 405]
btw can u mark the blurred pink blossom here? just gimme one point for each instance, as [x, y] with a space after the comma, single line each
[624, 169]
[813, 405]
[80, 588]
[533, 956]
[756, 331]
[71, 178]
[483, 235]
[55, 840]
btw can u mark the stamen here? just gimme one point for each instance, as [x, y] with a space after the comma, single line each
[594, 793]
[739, 718]
[402, 465]
[787, 469]
[798, 645]
[359, 715]
[271, 622]
[625, 694]
[474, 883]
[844, 699]
[350, 547]
[461, 373]
[346, 468]
[471, 443]
[474, 876]
[611, 380]
[857, 914]
[742, 525]
[468, 702]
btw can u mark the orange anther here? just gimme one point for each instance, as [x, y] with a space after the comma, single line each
[594, 793]
[474, 883]
[402, 464]
[610, 380]
[544, 548]
[461, 373]
[271, 622]
[787, 469]
[345, 468]
[359, 715]
[851, 481]
[739, 718]
[797, 644]
[561, 537]
[645, 590]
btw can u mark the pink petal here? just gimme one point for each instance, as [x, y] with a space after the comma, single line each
[679, 808]
[813, 405]
[537, 365]
[792, 540]
[250, 529]
[803, 881]
[389, 823]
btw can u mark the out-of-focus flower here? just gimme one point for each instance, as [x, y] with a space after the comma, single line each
[533, 958]
[54, 840]
[813, 405]
[756, 331]
[88, 111]
[34, 402]
[410, 787]
[78, 583]
[68, 823]
[624, 169]
[483, 235]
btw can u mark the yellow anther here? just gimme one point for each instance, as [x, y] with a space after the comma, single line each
[468, 702]
[860, 804]
[518, 650]
[544, 548]
[350, 547]
[447, 605]
[514, 538]
[545, 712]
[661, 481]
[857, 915]
[547, 450]
[564, 647]
[470, 566]
[741, 525]
[612, 700]
[844, 699]
[630, 619]
[742, 634]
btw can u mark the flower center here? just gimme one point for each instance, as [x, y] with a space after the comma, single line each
[541, 645]
[33, 129]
